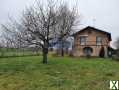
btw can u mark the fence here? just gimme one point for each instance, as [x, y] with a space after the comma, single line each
[5, 52]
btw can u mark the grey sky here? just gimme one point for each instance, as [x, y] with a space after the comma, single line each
[102, 14]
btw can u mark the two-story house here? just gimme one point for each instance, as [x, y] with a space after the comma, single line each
[90, 41]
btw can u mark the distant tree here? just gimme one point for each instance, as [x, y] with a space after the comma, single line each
[117, 47]
[117, 43]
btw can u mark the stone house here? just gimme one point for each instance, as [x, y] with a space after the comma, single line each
[90, 41]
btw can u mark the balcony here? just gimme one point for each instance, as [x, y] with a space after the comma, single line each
[92, 43]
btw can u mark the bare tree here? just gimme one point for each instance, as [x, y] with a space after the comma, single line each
[37, 27]
[67, 20]
[40, 24]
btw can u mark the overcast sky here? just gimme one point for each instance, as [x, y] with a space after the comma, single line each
[102, 14]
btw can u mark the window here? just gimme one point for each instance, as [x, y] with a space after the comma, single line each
[98, 40]
[82, 40]
[87, 51]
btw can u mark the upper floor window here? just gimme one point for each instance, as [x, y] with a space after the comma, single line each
[98, 40]
[82, 40]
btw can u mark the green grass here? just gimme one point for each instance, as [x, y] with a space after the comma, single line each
[28, 73]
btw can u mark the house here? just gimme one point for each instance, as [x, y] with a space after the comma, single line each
[92, 41]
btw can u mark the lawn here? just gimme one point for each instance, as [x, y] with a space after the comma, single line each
[28, 73]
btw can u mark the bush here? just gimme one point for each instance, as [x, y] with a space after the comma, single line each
[115, 57]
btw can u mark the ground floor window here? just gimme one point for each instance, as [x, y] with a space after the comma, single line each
[88, 51]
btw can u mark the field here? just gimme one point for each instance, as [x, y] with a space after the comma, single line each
[28, 73]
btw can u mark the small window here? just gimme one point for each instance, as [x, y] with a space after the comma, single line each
[82, 40]
[98, 40]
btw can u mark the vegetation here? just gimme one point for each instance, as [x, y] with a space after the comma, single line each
[117, 49]
[27, 73]
[117, 43]
[39, 25]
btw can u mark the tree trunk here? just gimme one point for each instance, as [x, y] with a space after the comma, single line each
[44, 58]
[62, 49]
[45, 53]
[62, 52]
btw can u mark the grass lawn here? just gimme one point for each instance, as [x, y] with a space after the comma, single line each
[28, 73]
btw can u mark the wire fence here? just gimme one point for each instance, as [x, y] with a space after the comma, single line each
[4, 52]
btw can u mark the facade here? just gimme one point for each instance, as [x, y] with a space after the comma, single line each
[91, 41]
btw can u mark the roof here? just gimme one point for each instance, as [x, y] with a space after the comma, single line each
[93, 28]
